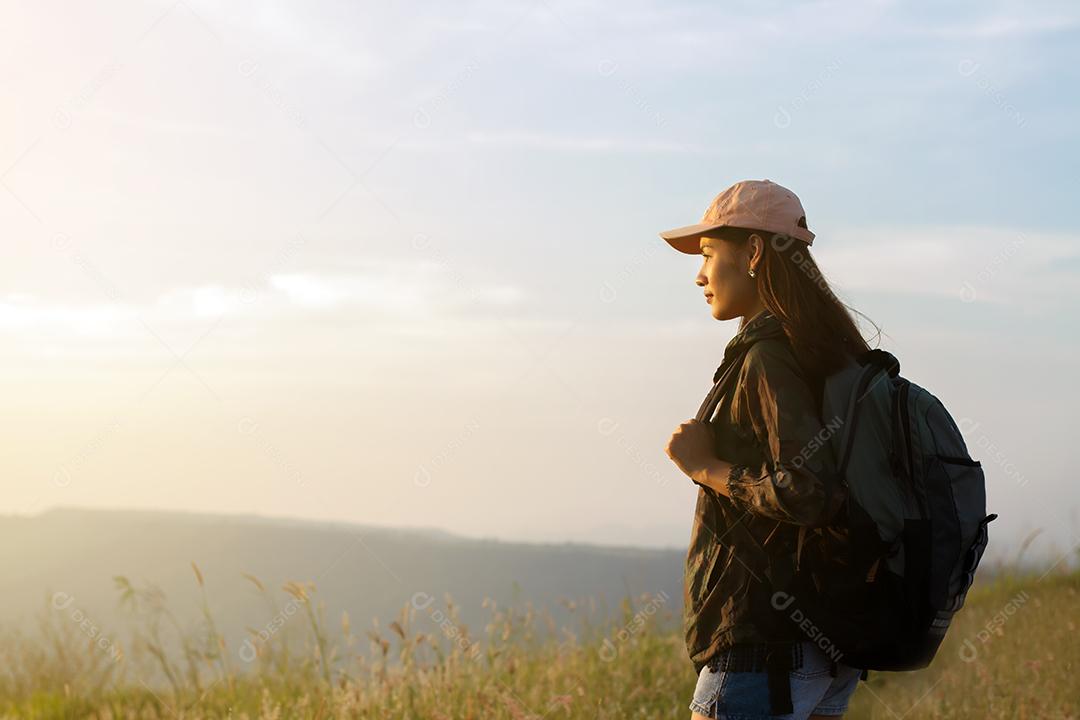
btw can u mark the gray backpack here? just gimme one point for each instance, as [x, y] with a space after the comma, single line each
[914, 526]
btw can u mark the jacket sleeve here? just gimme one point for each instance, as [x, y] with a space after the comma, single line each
[797, 482]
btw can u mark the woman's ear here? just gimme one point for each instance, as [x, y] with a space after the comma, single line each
[756, 249]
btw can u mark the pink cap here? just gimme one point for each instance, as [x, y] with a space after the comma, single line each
[753, 204]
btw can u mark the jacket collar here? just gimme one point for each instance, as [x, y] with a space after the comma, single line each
[761, 326]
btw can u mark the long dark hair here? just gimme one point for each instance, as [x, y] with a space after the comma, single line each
[820, 327]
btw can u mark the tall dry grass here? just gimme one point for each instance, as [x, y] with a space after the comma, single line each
[1010, 654]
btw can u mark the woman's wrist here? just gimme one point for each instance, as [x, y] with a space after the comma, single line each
[714, 474]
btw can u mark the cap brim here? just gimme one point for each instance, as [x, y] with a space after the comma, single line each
[688, 239]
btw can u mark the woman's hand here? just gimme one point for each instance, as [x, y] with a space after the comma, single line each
[692, 448]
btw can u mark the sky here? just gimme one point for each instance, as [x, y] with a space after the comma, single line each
[398, 264]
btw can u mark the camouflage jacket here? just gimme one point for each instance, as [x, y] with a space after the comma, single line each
[768, 425]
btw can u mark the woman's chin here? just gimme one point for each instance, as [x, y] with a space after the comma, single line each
[720, 313]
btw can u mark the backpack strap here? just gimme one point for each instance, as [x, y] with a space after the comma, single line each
[778, 667]
[862, 387]
[721, 378]
[877, 366]
[900, 457]
[739, 534]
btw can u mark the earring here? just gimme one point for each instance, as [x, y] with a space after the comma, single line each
[752, 273]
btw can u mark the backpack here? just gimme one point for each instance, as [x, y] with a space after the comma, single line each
[885, 578]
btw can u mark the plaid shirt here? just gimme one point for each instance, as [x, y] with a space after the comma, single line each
[768, 426]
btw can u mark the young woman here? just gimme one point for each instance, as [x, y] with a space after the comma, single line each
[761, 461]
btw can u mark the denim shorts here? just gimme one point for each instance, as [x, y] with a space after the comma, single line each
[730, 695]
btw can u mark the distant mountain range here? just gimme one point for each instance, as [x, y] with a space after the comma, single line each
[370, 572]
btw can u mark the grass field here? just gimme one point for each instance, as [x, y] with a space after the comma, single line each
[1011, 653]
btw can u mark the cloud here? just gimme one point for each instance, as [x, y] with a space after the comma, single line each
[973, 264]
[312, 291]
[999, 27]
[402, 289]
[25, 315]
[202, 301]
[413, 296]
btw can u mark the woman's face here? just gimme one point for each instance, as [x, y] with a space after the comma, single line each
[731, 291]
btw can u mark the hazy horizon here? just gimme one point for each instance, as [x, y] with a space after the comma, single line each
[400, 266]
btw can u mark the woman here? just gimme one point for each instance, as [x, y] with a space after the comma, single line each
[763, 468]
